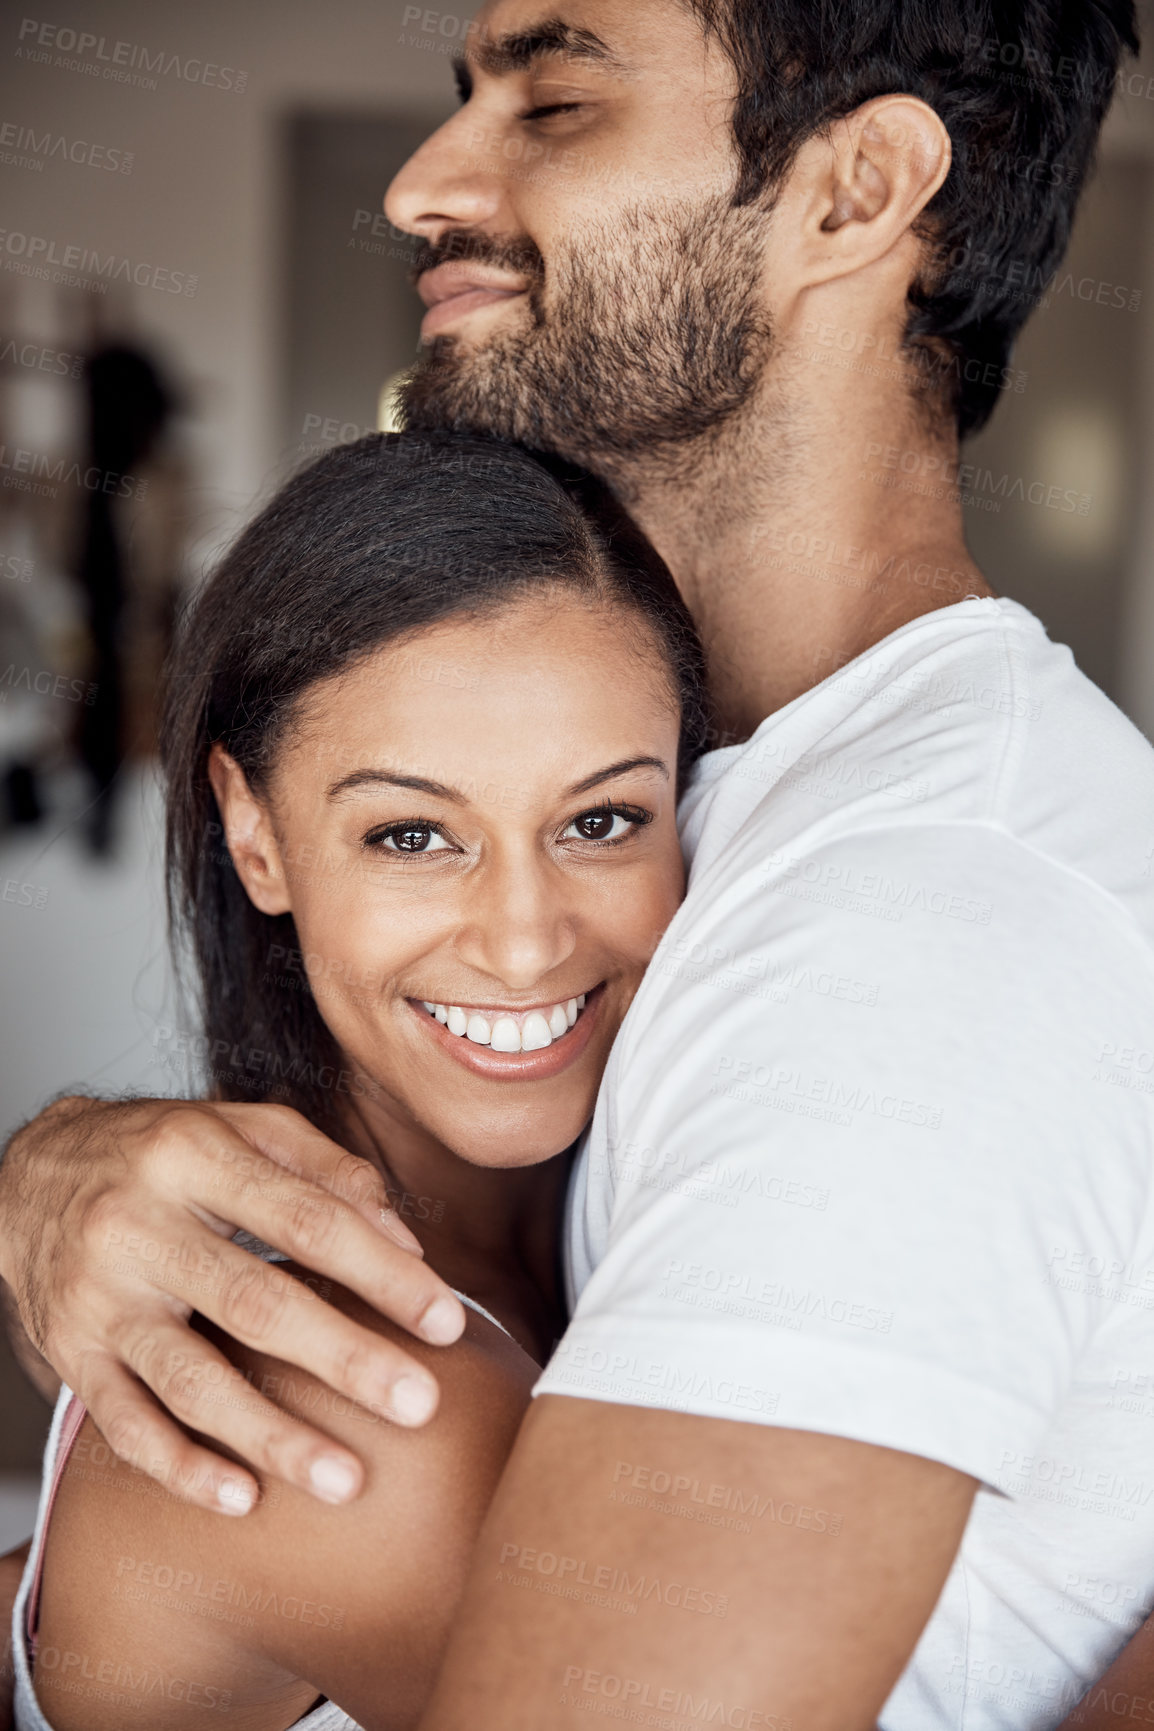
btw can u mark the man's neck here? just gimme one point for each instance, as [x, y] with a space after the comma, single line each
[804, 533]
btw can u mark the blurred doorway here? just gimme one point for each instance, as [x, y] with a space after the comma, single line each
[352, 317]
[1056, 477]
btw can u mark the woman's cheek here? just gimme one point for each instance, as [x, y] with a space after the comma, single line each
[656, 905]
[335, 935]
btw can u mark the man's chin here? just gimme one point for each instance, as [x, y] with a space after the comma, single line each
[460, 389]
[442, 392]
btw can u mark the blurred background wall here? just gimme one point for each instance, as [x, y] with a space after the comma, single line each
[190, 225]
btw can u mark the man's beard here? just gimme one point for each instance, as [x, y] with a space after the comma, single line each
[652, 338]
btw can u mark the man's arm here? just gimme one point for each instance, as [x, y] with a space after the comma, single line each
[116, 1222]
[1125, 1695]
[648, 1561]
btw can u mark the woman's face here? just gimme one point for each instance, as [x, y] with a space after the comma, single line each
[480, 818]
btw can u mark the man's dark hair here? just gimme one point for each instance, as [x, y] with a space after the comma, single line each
[375, 544]
[1021, 86]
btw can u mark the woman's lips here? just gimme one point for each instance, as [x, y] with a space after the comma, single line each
[457, 306]
[517, 1066]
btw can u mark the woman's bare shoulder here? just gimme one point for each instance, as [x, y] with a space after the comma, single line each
[357, 1600]
[389, 1568]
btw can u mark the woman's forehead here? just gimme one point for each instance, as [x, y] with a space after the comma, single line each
[535, 698]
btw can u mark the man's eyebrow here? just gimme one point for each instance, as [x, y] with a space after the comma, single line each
[393, 778]
[616, 769]
[519, 50]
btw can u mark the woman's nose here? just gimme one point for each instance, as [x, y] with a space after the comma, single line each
[518, 929]
[446, 184]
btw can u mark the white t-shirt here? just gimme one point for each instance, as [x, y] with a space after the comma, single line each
[874, 1148]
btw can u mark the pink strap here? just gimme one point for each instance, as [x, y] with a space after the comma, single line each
[69, 1430]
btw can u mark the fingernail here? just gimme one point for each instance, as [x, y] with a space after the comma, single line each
[413, 1400]
[399, 1232]
[333, 1479]
[235, 1496]
[442, 1323]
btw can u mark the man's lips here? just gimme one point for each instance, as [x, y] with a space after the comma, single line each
[452, 291]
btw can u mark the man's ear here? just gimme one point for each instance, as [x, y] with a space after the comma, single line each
[249, 834]
[857, 190]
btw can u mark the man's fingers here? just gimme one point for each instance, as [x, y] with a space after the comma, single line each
[201, 1156]
[284, 1137]
[139, 1432]
[331, 1238]
[272, 1312]
[199, 1386]
[148, 1241]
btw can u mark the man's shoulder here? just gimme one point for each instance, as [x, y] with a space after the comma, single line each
[921, 922]
[986, 728]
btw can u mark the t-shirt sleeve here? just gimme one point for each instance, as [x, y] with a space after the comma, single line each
[854, 1139]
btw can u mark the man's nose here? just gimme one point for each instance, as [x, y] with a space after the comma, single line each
[448, 183]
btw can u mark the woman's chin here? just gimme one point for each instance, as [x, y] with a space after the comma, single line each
[510, 1153]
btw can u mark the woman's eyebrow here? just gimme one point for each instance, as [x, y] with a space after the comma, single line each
[393, 778]
[615, 769]
[439, 790]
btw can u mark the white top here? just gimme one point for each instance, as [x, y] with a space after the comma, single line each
[873, 1152]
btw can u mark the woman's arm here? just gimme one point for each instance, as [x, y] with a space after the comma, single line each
[115, 1222]
[297, 1600]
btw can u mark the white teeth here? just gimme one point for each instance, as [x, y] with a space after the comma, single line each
[508, 1032]
[506, 1035]
[535, 1035]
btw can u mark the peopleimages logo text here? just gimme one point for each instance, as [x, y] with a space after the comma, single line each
[121, 59]
[38, 255]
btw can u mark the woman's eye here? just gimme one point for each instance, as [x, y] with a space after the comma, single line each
[408, 838]
[605, 825]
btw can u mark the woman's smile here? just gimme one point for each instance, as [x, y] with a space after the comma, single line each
[504, 1045]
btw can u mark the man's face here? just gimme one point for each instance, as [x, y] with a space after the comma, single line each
[591, 290]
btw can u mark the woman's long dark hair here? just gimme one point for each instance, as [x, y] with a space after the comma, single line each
[377, 540]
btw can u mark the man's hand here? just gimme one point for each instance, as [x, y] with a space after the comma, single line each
[662, 1566]
[115, 1225]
